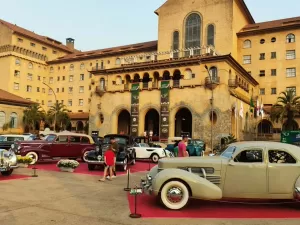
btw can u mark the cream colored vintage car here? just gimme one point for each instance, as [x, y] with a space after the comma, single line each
[247, 170]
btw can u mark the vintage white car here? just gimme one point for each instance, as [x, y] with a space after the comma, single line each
[144, 151]
[8, 162]
[245, 170]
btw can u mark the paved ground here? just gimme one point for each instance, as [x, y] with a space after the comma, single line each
[71, 199]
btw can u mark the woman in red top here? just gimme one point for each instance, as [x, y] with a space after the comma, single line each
[109, 160]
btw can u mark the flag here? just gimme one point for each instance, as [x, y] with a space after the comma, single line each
[242, 110]
[251, 105]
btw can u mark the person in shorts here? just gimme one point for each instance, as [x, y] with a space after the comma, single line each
[109, 160]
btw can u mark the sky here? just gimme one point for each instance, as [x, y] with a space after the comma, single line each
[97, 24]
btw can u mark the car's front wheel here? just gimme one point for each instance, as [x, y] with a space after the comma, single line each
[7, 173]
[34, 156]
[84, 157]
[155, 158]
[174, 195]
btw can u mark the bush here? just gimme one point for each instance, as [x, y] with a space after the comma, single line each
[68, 164]
[24, 159]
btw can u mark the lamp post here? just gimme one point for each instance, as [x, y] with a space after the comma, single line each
[212, 107]
[55, 105]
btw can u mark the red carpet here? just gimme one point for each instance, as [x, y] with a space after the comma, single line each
[83, 168]
[150, 208]
[13, 177]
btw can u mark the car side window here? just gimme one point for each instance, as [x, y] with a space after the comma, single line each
[85, 140]
[75, 139]
[62, 139]
[250, 156]
[279, 156]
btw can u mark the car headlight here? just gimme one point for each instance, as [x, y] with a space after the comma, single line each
[149, 178]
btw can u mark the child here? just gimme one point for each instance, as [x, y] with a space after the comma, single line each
[109, 160]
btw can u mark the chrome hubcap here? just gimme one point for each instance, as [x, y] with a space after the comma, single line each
[32, 157]
[175, 195]
[155, 158]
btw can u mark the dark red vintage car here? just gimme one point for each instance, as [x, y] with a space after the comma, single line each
[61, 145]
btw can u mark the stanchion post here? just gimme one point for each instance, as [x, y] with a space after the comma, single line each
[128, 188]
[135, 215]
[34, 172]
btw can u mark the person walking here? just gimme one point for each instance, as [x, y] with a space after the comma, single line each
[115, 148]
[109, 160]
[182, 147]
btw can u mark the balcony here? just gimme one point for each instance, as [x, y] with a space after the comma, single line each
[100, 90]
[233, 83]
[96, 68]
[212, 83]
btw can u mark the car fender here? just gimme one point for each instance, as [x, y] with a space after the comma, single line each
[199, 187]
[39, 151]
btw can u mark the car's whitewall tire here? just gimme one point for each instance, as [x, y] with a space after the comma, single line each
[155, 158]
[174, 195]
[34, 156]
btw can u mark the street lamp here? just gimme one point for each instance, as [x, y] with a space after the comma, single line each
[55, 105]
[212, 107]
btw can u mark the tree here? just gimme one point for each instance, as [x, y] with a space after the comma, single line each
[62, 117]
[287, 106]
[33, 115]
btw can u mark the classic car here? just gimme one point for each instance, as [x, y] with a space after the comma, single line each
[7, 140]
[8, 162]
[126, 154]
[245, 170]
[55, 146]
[195, 147]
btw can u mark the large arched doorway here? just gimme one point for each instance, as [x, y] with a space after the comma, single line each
[294, 126]
[79, 126]
[124, 122]
[152, 123]
[183, 123]
[265, 127]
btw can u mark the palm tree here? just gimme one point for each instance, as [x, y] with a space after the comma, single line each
[287, 106]
[33, 115]
[59, 113]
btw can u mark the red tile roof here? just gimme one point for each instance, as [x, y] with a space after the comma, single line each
[7, 97]
[138, 47]
[281, 24]
[79, 115]
[43, 39]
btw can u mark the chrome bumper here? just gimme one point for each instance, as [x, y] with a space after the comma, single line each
[4, 168]
[146, 185]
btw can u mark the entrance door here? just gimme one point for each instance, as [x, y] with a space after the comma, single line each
[246, 175]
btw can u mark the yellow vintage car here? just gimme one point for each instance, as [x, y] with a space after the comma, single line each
[247, 170]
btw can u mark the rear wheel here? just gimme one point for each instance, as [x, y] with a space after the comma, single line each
[91, 167]
[155, 158]
[7, 173]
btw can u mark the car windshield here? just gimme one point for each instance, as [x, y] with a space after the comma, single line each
[2, 138]
[119, 140]
[50, 137]
[228, 152]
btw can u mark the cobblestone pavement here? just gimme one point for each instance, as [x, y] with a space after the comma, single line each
[72, 199]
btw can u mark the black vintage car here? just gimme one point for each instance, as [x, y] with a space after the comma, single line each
[126, 154]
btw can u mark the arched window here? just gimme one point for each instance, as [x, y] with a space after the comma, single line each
[193, 33]
[2, 119]
[82, 66]
[247, 44]
[118, 80]
[175, 44]
[290, 38]
[211, 35]
[188, 74]
[14, 120]
[18, 62]
[213, 72]
[71, 67]
[30, 65]
[51, 69]
[118, 61]
[102, 84]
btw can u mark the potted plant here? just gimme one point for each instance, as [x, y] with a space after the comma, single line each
[24, 161]
[67, 165]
